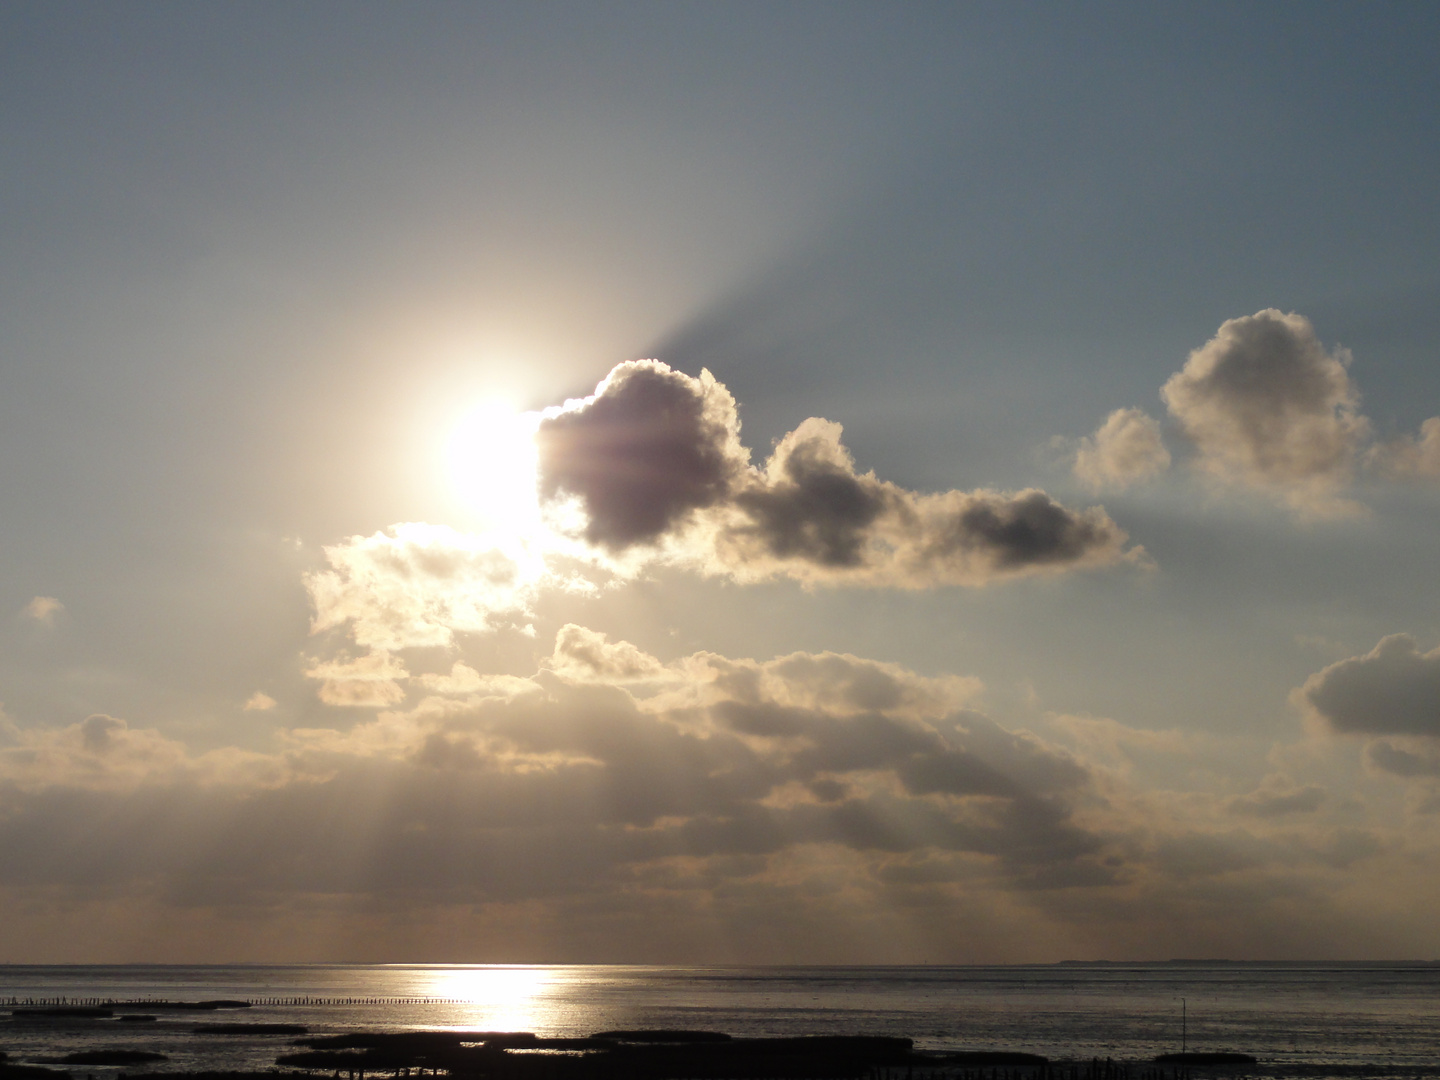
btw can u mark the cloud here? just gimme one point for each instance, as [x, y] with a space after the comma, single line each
[43, 609]
[642, 453]
[1410, 457]
[585, 655]
[654, 458]
[418, 585]
[1392, 690]
[259, 702]
[810, 515]
[1417, 761]
[630, 806]
[582, 766]
[842, 684]
[1126, 449]
[372, 680]
[1266, 406]
[464, 681]
[650, 469]
[1278, 802]
[104, 753]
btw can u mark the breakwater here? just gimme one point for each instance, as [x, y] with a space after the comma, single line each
[239, 1003]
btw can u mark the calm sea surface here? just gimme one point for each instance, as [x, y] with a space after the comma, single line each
[1340, 1015]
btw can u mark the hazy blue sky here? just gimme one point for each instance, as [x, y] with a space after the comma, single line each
[1079, 642]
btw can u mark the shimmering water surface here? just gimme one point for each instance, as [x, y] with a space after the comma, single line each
[1341, 1015]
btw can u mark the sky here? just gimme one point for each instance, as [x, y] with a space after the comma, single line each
[718, 483]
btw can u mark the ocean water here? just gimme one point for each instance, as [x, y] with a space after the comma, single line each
[1384, 1017]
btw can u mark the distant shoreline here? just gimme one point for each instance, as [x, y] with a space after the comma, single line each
[8, 965]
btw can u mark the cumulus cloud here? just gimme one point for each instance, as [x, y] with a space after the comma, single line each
[810, 515]
[1126, 449]
[654, 458]
[650, 469]
[612, 797]
[1392, 690]
[710, 758]
[642, 453]
[1411, 456]
[418, 585]
[259, 702]
[838, 683]
[464, 681]
[43, 609]
[104, 753]
[587, 655]
[1264, 406]
[1267, 406]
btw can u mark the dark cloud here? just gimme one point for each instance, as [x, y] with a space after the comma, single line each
[646, 450]
[811, 507]
[1392, 690]
[955, 773]
[1015, 532]
[654, 459]
[811, 515]
[1387, 757]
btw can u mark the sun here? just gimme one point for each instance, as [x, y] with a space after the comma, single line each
[492, 463]
[499, 997]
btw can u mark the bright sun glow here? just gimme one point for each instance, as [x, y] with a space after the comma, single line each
[498, 998]
[491, 458]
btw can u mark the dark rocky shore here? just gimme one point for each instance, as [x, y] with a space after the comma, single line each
[632, 1055]
[605, 1055]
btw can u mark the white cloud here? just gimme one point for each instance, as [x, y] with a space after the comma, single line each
[1410, 457]
[1126, 449]
[43, 609]
[464, 681]
[259, 702]
[372, 680]
[419, 585]
[103, 753]
[584, 655]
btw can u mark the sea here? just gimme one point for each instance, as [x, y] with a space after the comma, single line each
[1298, 1019]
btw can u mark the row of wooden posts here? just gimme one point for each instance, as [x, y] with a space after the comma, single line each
[141, 1002]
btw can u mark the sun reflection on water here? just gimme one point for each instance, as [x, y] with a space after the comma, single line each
[497, 997]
